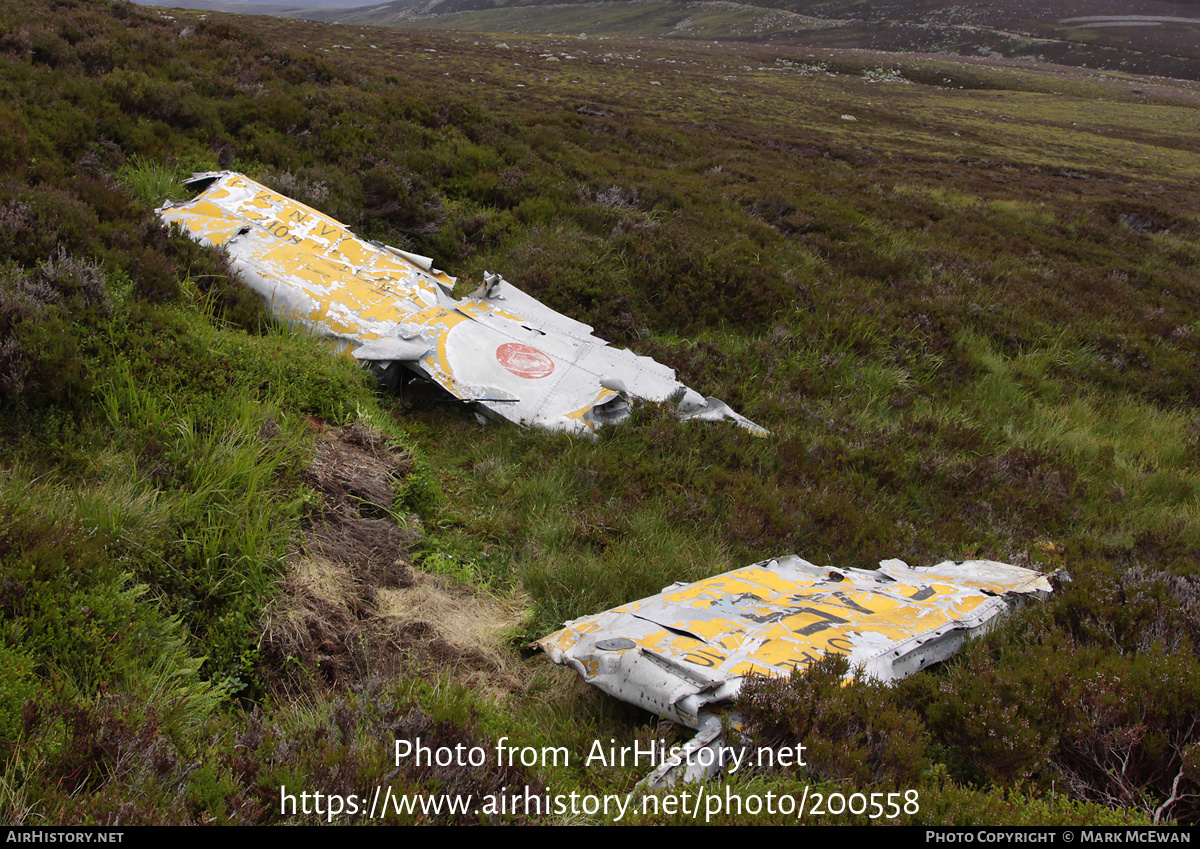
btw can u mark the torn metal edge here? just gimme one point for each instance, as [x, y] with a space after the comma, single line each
[684, 653]
[499, 349]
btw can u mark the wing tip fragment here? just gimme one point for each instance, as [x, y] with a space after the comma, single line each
[313, 271]
[685, 652]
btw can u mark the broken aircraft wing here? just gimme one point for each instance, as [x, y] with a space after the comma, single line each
[498, 348]
[688, 649]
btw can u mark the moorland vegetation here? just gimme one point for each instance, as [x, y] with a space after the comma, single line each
[1157, 37]
[962, 298]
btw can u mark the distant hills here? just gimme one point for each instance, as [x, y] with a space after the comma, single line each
[249, 7]
[1159, 37]
[1153, 37]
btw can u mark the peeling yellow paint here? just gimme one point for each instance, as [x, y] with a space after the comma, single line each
[698, 642]
[386, 307]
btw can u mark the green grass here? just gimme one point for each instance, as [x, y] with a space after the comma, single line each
[967, 317]
[151, 182]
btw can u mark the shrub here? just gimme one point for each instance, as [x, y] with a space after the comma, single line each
[1033, 703]
[42, 316]
[852, 730]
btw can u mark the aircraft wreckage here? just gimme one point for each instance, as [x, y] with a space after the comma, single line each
[499, 349]
[684, 653]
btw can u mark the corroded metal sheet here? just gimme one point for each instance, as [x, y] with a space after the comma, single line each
[687, 650]
[499, 348]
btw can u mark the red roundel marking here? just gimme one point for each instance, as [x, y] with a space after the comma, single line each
[524, 361]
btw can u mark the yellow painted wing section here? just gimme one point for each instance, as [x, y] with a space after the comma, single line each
[500, 348]
[780, 615]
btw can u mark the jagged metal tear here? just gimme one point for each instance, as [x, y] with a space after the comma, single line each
[684, 653]
[499, 348]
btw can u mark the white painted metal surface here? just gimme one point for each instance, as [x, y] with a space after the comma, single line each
[500, 349]
[685, 652]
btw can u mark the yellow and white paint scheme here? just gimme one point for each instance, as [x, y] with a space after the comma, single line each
[499, 348]
[686, 651]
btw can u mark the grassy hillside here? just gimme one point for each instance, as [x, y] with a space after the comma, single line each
[1160, 37]
[961, 295]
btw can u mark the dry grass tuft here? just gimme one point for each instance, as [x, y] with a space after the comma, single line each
[352, 606]
[443, 625]
[324, 632]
